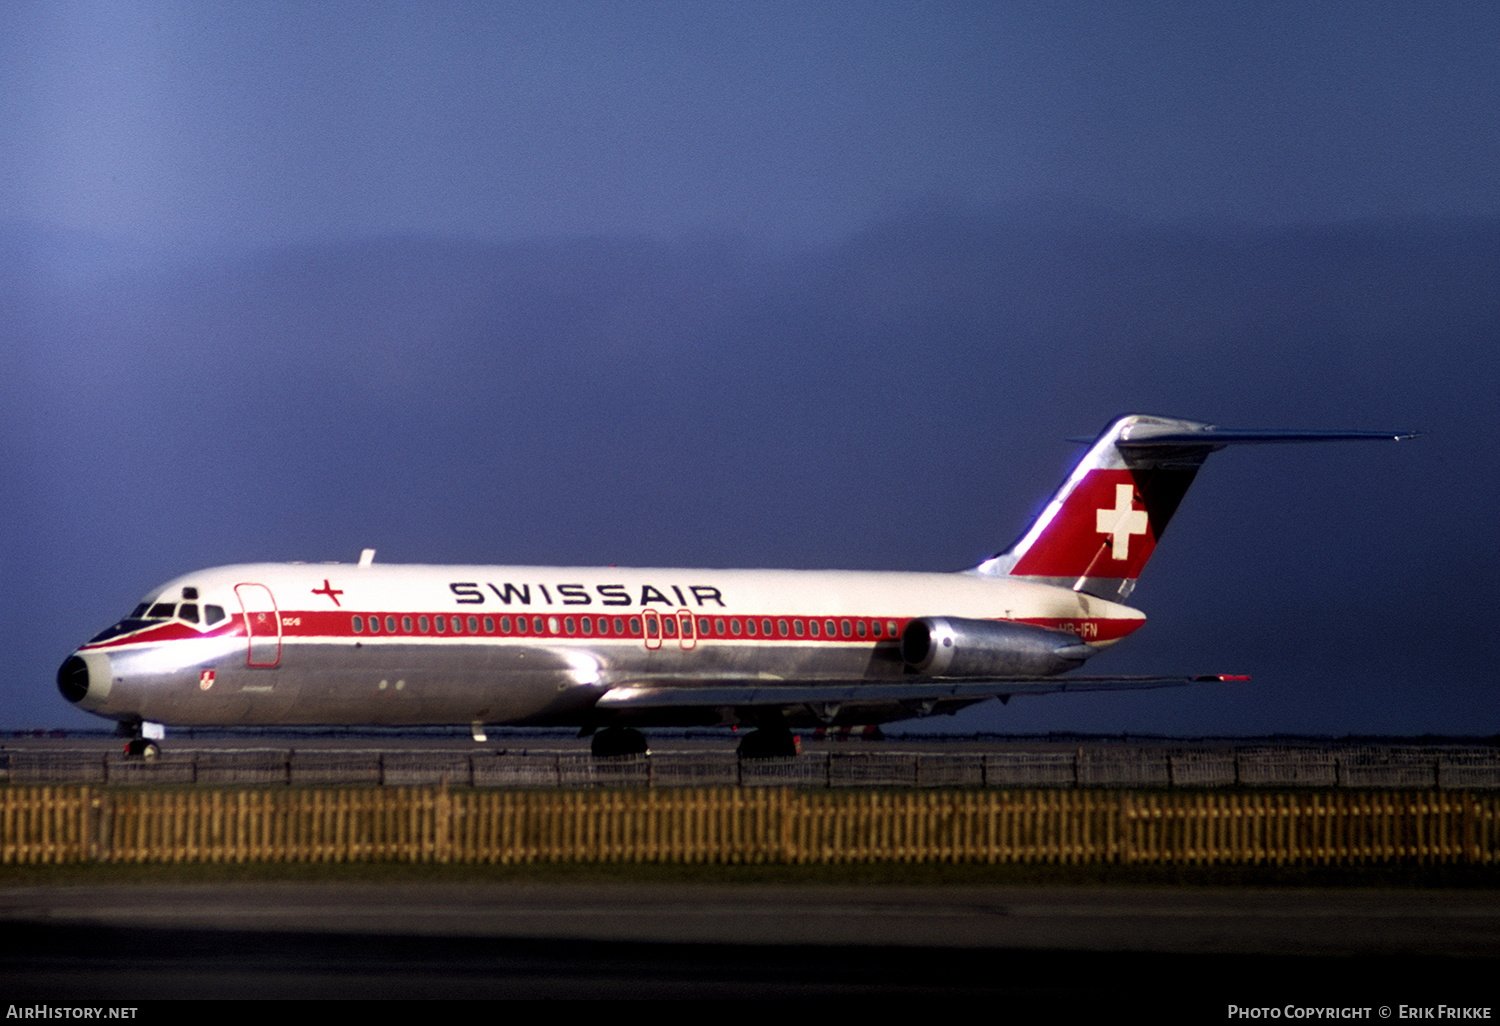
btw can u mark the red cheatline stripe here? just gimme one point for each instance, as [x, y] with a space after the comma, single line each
[631, 626]
[1089, 629]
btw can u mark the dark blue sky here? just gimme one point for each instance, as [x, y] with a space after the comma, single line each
[194, 123]
[765, 285]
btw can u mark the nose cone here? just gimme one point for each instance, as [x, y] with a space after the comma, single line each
[84, 678]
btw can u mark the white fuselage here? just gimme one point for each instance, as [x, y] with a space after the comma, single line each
[406, 645]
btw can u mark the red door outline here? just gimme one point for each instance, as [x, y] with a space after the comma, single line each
[262, 625]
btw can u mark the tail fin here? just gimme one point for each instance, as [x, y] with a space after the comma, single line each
[1102, 525]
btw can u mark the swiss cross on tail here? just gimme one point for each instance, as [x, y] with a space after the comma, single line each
[1102, 528]
[1122, 521]
[1106, 519]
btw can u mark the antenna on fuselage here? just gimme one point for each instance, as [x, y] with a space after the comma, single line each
[367, 557]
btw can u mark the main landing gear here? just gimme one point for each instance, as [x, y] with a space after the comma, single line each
[769, 743]
[618, 741]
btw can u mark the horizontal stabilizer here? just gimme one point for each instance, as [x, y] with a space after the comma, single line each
[1195, 445]
[1218, 438]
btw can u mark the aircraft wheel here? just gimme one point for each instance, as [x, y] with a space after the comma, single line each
[618, 741]
[769, 744]
[140, 748]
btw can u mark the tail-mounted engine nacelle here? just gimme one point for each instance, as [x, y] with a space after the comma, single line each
[947, 646]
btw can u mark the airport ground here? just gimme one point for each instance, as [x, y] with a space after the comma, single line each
[1049, 939]
[1183, 949]
[665, 740]
[677, 741]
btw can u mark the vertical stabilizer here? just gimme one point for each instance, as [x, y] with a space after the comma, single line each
[1100, 528]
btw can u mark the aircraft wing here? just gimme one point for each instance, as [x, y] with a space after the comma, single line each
[860, 701]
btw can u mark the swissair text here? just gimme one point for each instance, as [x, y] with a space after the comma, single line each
[471, 593]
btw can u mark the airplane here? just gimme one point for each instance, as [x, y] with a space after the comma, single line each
[612, 650]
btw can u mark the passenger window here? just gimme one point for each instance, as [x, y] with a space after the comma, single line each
[812, 628]
[406, 624]
[505, 625]
[844, 628]
[489, 625]
[422, 624]
[374, 625]
[797, 627]
[829, 627]
[188, 611]
[570, 625]
[765, 628]
[440, 624]
[669, 626]
[457, 623]
[780, 627]
[859, 626]
[390, 624]
[587, 623]
[473, 625]
[357, 622]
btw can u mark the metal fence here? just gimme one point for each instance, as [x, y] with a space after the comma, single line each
[1412, 766]
[746, 825]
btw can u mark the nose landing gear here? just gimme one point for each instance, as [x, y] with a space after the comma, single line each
[143, 748]
[145, 738]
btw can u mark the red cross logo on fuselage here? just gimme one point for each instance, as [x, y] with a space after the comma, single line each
[330, 591]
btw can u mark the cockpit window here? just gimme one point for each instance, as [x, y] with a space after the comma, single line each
[212, 614]
[123, 627]
[149, 614]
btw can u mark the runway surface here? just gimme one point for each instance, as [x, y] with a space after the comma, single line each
[1111, 950]
[1191, 948]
